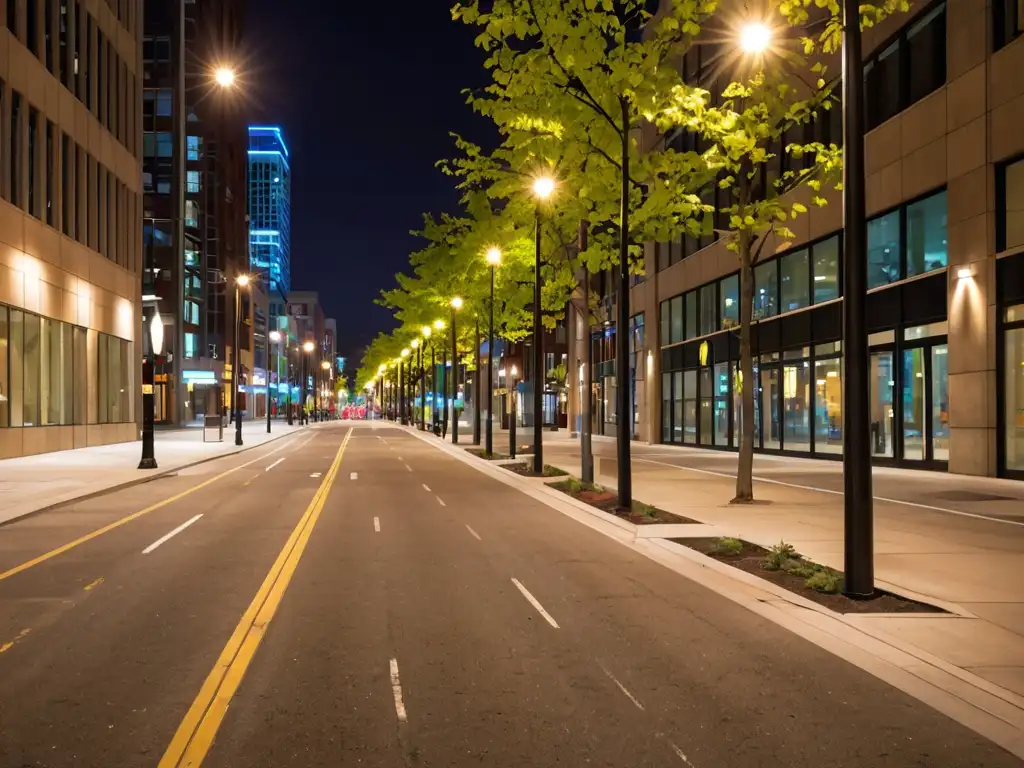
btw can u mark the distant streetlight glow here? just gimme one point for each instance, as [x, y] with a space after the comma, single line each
[439, 325]
[426, 331]
[242, 280]
[308, 346]
[755, 37]
[494, 256]
[457, 303]
[275, 336]
[405, 352]
[414, 343]
[543, 187]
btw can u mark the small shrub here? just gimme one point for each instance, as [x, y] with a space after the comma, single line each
[778, 556]
[550, 471]
[646, 509]
[727, 545]
[824, 580]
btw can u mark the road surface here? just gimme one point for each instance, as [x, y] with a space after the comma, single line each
[353, 596]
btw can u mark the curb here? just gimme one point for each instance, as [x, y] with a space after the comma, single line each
[984, 707]
[160, 473]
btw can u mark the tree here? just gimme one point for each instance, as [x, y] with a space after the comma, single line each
[573, 83]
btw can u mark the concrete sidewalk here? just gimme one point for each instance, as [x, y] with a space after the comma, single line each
[31, 483]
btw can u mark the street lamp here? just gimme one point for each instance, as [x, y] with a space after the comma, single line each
[156, 339]
[755, 37]
[308, 348]
[224, 76]
[403, 382]
[456, 305]
[325, 366]
[543, 187]
[241, 281]
[512, 372]
[275, 338]
[493, 260]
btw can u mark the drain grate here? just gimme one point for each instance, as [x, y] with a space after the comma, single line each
[972, 496]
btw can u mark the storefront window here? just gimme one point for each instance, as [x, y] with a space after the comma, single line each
[729, 293]
[721, 404]
[913, 404]
[828, 406]
[940, 403]
[30, 352]
[706, 419]
[826, 270]
[665, 323]
[690, 407]
[794, 279]
[1012, 213]
[884, 250]
[708, 309]
[5, 388]
[772, 438]
[796, 396]
[677, 407]
[1014, 384]
[765, 290]
[882, 416]
[55, 371]
[926, 235]
[666, 408]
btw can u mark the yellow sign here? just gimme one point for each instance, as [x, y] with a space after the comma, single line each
[160, 378]
[704, 353]
[147, 389]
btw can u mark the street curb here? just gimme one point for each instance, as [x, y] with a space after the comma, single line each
[986, 708]
[75, 497]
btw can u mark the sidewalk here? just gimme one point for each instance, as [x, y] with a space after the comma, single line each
[32, 483]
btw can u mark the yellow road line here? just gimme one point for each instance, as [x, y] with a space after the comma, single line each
[195, 735]
[124, 520]
[93, 585]
[10, 644]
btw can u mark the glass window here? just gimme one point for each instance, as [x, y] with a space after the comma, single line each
[1008, 21]
[30, 360]
[192, 182]
[1011, 232]
[926, 54]
[940, 403]
[796, 398]
[884, 249]
[794, 280]
[765, 290]
[690, 408]
[1014, 394]
[16, 361]
[191, 213]
[729, 295]
[149, 144]
[666, 407]
[14, 163]
[708, 309]
[914, 412]
[103, 379]
[706, 419]
[826, 270]
[676, 314]
[926, 235]
[165, 145]
[690, 308]
[5, 389]
[80, 367]
[769, 408]
[164, 100]
[51, 179]
[55, 371]
[193, 147]
[828, 406]
[883, 383]
[33, 161]
[664, 323]
[721, 384]
[882, 86]
[677, 407]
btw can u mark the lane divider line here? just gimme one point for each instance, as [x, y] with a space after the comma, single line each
[623, 688]
[376, 524]
[535, 603]
[274, 464]
[477, 535]
[681, 755]
[426, 488]
[92, 585]
[353, 476]
[10, 643]
[408, 467]
[128, 518]
[170, 535]
[197, 730]
[316, 474]
[441, 502]
[396, 691]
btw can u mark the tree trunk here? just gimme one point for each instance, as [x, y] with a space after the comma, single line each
[745, 468]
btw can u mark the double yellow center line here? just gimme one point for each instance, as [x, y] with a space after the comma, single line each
[195, 735]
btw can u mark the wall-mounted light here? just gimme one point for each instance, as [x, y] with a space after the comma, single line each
[964, 273]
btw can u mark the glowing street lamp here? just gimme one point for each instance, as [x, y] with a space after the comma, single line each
[755, 37]
[493, 259]
[241, 281]
[456, 305]
[224, 77]
[543, 187]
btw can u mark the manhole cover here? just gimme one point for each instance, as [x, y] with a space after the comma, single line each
[971, 496]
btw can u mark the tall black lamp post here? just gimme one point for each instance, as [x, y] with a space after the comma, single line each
[542, 189]
[456, 305]
[275, 338]
[156, 343]
[403, 382]
[242, 281]
[493, 260]
[308, 348]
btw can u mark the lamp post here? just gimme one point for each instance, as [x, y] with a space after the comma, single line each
[427, 331]
[156, 343]
[275, 337]
[858, 498]
[456, 305]
[401, 388]
[325, 387]
[542, 189]
[308, 348]
[438, 414]
[242, 281]
[494, 259]
[512, 411]
[415, 344]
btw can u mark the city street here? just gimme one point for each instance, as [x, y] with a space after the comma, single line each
[352, 595]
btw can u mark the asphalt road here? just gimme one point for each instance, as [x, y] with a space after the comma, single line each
[372, 601]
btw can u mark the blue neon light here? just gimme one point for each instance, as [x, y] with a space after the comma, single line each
[275, 129]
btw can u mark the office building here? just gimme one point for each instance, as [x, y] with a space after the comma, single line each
[306, 322]
[945, 198]
[194, 175]
[69, 221]
[270, 214]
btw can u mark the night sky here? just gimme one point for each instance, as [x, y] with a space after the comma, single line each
[367, 93]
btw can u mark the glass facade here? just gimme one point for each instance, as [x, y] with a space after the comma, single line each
[1013, 388]
[908, 241]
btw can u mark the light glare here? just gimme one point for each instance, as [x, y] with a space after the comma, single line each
[543, 187]
[755, 37]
